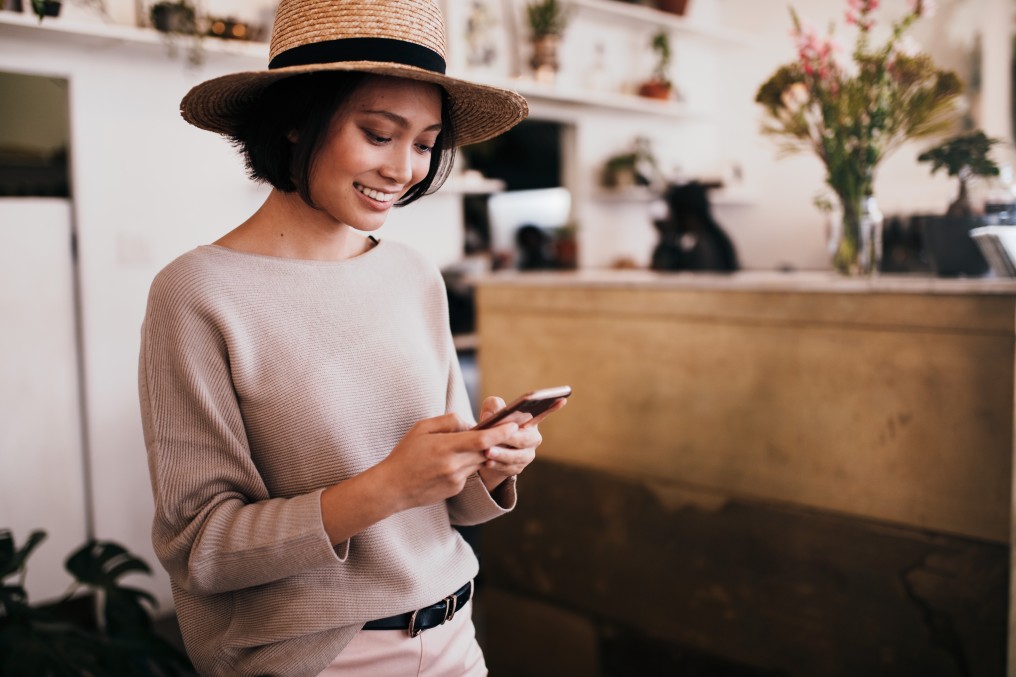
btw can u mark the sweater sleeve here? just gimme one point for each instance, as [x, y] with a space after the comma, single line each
[215, 527]
[474, 504]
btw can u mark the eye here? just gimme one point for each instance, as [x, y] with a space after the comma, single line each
[424, 148]
[376, 138]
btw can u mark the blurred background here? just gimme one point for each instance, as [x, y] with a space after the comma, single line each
[778, 471]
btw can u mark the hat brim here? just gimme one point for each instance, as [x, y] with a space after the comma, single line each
[479, 112]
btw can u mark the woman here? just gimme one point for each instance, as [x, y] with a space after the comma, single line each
[307, 426]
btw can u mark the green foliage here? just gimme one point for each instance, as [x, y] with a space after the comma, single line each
[41, 7]
[547, 17]
[661, 45]
[963, 155]
[50, 641]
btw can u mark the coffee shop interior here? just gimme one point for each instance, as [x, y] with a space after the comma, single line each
[789, 447]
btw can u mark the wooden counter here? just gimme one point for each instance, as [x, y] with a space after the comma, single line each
[884, 405]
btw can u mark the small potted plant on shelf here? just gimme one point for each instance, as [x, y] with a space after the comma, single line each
[44, 8]
[547, 21]
[951, 249]
[678, 7]
[659, 86]
[174, 16]
[178, 19]
[964, 156]
[636, 168]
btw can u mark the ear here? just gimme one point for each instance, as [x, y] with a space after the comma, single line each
[293, 136]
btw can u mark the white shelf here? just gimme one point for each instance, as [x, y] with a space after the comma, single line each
[614, 101]
[99, 34]
[655, 18]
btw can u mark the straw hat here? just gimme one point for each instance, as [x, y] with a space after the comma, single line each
[403, 38]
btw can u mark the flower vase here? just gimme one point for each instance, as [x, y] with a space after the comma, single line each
[855, 240]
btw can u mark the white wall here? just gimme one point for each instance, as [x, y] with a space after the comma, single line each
[40, 436]
[146, 188]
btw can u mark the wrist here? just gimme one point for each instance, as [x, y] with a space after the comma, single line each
[492, 479]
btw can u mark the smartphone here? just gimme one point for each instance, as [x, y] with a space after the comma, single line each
[526, 407]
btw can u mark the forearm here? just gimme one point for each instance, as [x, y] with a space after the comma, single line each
[349, 507]
[492, 479]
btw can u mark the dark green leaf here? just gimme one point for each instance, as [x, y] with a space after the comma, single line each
[11, 559]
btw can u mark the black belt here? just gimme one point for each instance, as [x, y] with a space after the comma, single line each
[428, 617]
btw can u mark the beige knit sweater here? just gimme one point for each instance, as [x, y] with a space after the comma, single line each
[262, 381]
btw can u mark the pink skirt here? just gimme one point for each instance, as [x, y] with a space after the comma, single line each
[449, 650]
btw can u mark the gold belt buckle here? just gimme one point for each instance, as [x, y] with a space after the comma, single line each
[413, 630]
[451, 606]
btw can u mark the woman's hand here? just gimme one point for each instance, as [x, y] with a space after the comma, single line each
[430, 463]
[519, 448]
[435, 458]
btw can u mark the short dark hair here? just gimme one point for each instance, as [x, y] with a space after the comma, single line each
[306, 104]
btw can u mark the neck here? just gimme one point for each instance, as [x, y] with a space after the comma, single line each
[285, 226]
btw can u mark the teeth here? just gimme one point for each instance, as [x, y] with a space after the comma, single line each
[375, 194]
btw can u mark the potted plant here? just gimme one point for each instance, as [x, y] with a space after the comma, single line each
[963, 156]
[106, 632]
[673, 6]
[178, 19]
[174, 16]
[659, 86]
[44, 8]
[634, 168]
[547, 21]
[950, 248]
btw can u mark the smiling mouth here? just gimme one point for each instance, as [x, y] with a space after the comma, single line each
[375, 194]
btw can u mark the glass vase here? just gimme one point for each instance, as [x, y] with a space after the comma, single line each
[855, 238]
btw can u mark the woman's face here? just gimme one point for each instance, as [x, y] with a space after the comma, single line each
[377, 147]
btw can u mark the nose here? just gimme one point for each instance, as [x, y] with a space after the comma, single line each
[398, 165]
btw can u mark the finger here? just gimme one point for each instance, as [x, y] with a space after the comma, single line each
[510, 462]
[447, 423]
[490, 405]
[554, 407]
[510, 457]
[527, 437]
[476, 440]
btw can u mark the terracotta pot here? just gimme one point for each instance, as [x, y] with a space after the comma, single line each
[673, 6]
[544, 63]
[655, 90]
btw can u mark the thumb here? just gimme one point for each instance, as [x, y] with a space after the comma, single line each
[490, 405]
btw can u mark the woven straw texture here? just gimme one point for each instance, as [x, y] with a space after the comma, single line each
[479, 112]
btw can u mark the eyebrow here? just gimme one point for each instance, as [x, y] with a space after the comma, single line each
[399, 120]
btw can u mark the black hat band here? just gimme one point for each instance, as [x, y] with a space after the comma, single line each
[361, 49]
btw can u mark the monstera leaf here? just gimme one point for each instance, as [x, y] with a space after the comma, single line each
[54, 641]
